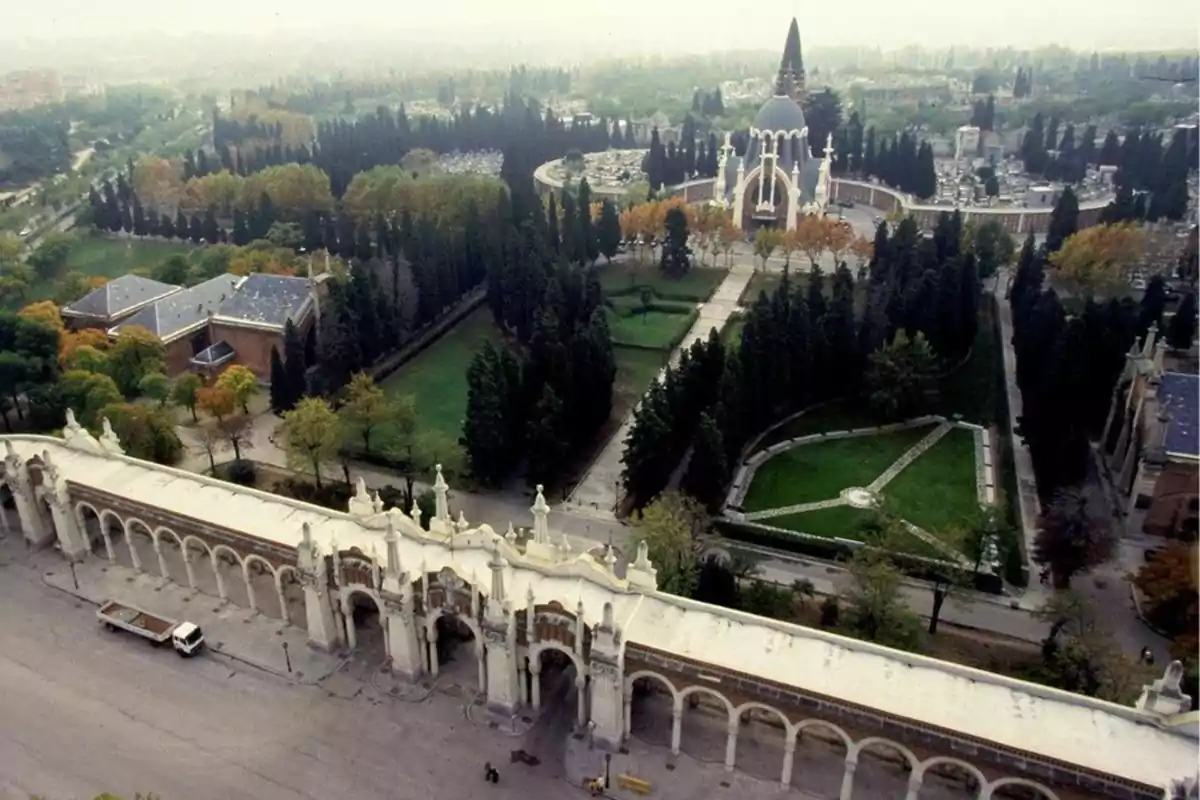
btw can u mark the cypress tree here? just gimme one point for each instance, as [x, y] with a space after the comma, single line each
[294, 364]
[707, 470]
[281, 396]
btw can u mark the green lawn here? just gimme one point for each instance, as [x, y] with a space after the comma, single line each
[937, 491]
[656, 329]
[112, 258]
[819, 471]
[731, 334]
[635, 369]
[696, 286]
[437, 376]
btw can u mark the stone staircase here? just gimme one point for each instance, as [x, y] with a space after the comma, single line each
[911, 455]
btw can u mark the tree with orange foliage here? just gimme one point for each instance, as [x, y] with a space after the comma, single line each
[44, 311]
[72, 341]
[729, 235]
[838, 239]
[812, 234]
[789, 245]
[863, 249]
[216, 400]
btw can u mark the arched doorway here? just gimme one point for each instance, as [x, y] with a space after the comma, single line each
[762, 739]
[819, 763]
[559, 700]
[883, 769]
[946, 778]
[139, 551]
[456, 653]
[1020, 789]
[773, 192]
[650, 708]
[704, 725]
[92, 530]
[292, 591]
[364, 628]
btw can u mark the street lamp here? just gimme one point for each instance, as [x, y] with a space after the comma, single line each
[607, 768]
[74, 579]
[287, 658]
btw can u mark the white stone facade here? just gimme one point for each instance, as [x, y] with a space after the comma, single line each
[523, 598]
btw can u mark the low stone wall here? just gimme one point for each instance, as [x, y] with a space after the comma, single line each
[745, 473]
[428, 335]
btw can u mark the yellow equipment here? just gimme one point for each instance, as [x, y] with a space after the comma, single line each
[635, 785]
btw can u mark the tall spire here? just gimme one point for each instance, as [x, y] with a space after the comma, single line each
[791, 66]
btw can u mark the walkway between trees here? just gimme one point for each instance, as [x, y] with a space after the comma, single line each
[596, 494]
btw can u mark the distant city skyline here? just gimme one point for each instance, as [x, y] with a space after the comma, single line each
[625, 27]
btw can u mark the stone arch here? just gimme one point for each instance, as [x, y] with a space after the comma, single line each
[780, 197]
[221, 572]
[93, 536]
[364, 623]
[535, 653]
[760, 746]
[445, 641]
[650, 715]
[990, 789]
[921, 772]
[291, 596]
[168, 546]
[881, 775]
[700, 728]
[265, 591]
[137, 534]
[820, 755]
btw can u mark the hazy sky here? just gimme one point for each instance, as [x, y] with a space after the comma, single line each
[633, 24]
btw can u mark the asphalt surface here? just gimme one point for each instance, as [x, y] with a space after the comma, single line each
[85, 711]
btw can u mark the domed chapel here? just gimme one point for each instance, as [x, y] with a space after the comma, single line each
[776, 179]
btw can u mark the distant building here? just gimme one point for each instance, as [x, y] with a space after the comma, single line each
[115, 301]
[29, 88]
[966, 142]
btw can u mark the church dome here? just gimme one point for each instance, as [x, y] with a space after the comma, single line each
[780, 114]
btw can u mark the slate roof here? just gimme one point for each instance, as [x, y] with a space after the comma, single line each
[181, 310]
[118, 295]
[1179, 395]
[266, 300]
[780, 114]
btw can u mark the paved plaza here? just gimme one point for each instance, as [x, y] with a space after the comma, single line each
[99, 711]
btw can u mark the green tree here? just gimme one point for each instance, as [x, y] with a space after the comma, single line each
[154, 385]
[241, 384]
[1181, 330]
[414, 452]
[708, 470]
[766, 242]
[311, 433]
[901, 377]
[546, 440]
[1080, 654]
[676, 257]
[1072, 539]
[175, 270]
[993, 247]
[488, 422]
[135, 354]
[146, 432]
[875, 608]
[184, 391]
[608, 230]
[88, 393]
[296, 364]
[50, 256]
[280, 397]
[669, 526]
[365, 408]
[1064, 220]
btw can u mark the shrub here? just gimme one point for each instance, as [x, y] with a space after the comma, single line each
[243, 473]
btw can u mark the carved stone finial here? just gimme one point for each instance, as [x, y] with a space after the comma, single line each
[610, 559]
[360, 489]
[440, 490]
[565, 547]
[606, 621]
[377, 503]
[643, 556]
[108, 439]
[390, 534]
[306, 535]
[72, 423]
[9, 450]
[510, 535]
[415, 511]
[541, 510]
[461, 523]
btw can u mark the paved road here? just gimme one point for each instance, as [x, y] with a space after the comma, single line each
[86, 712]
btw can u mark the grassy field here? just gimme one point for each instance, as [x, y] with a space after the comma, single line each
[437, 377]
[768, 281]
[844, 522]
[731, 334]
[111, 258]
[657, 328]
[635, 369]
[937, 491]
[821, 470]
[696, 286]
